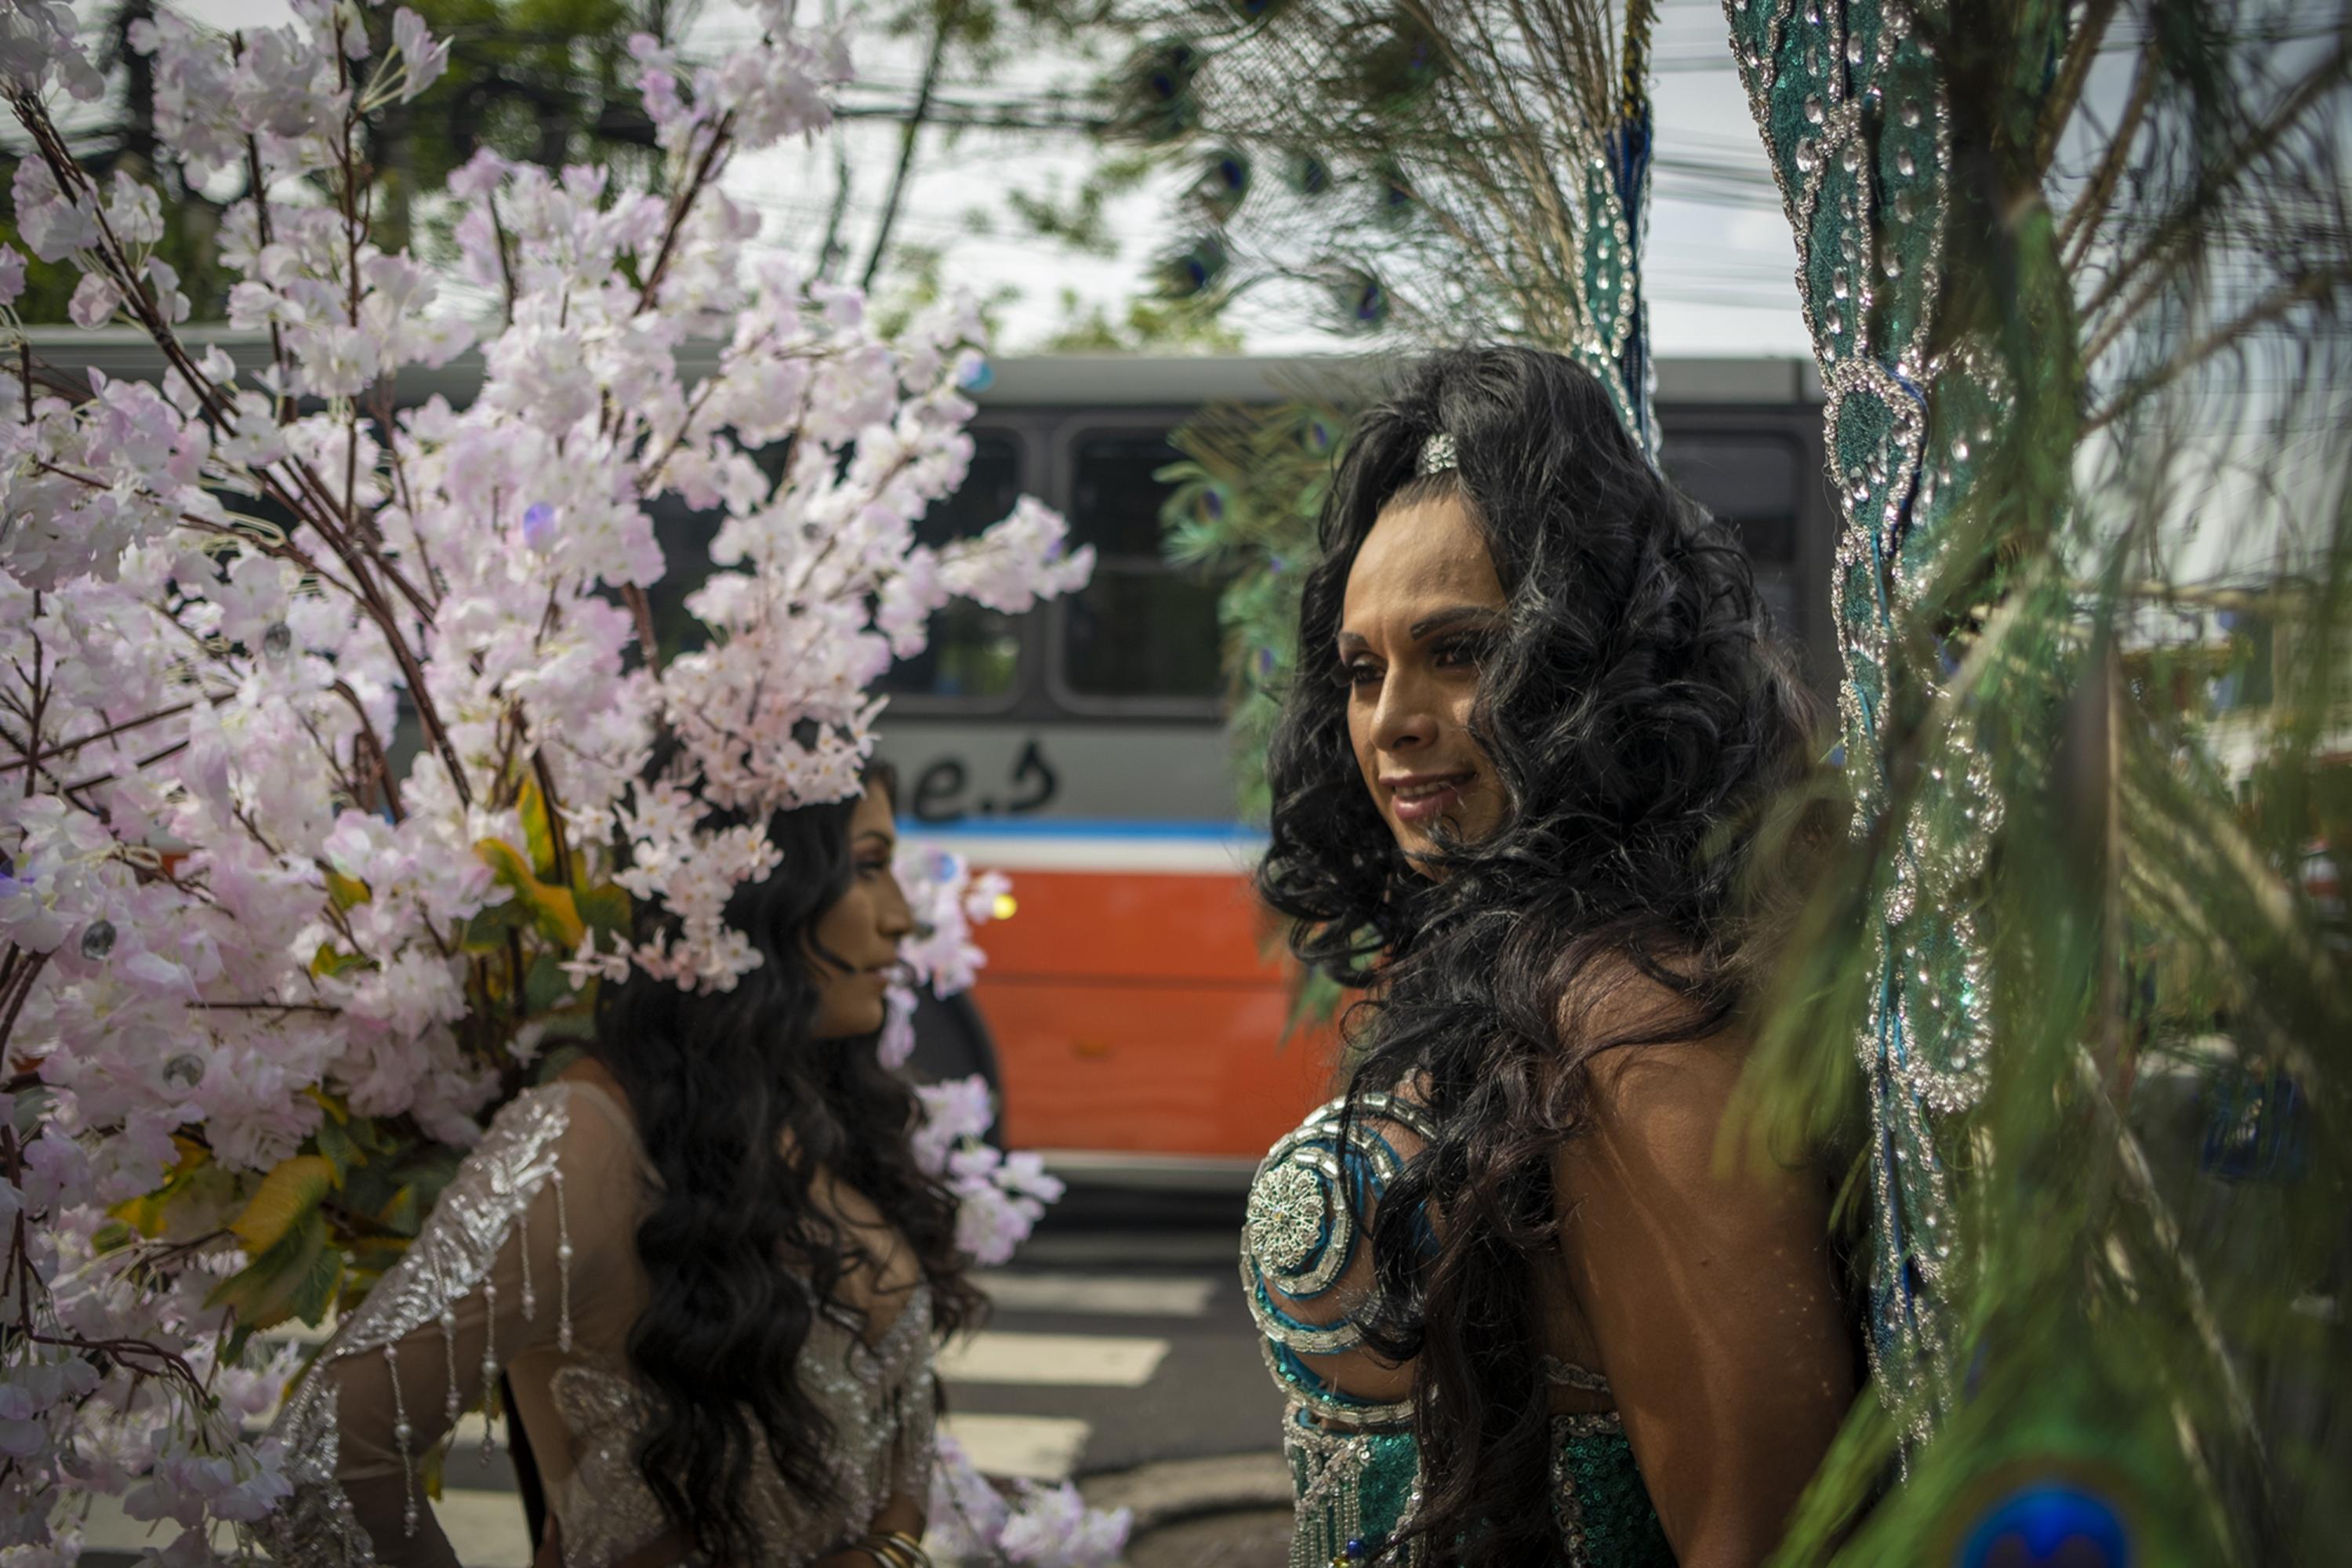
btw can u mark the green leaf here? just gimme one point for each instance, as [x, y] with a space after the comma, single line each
[404, 1211]
[545, 987]
[331, 960]
[571, 1024]
[554, 914]
[294, 1188]
[606, 908]
[486, 930]
[346, 891]
[335, 1142]
[295, 1277]
[538, 832]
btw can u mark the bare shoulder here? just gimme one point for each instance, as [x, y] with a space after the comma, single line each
[1655, 1053]
[1659, 1075]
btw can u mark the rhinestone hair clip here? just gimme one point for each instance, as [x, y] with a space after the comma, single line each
[1437, 455]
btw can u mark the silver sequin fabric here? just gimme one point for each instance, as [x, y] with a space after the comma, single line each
[880, 1398]
[880, 1402]
[316, 1527]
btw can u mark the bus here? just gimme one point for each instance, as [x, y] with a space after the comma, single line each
[1133, 1014]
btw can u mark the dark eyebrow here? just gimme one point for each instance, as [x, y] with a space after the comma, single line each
[887, 841]
[1480, 616]
[1483, 616]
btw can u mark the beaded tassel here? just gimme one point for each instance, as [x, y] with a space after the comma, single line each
[449, 1405]
[562, 1266]
[490, 1369]
[404, 1436]
[1330, 1505]
[530, 1297]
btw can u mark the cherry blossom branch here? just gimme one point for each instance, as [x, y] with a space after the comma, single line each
[357, 558]
[682, 203]
[63, 747]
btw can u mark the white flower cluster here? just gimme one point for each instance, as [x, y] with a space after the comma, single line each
[322, 732]
[999, 1196]
[1044, 1526]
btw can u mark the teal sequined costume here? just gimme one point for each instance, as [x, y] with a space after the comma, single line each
[1354, 1469]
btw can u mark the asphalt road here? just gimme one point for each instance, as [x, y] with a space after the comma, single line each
[1120, 1338]
[1208, 1395]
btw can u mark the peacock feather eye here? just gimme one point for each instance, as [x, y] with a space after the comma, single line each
[1361, 299]
[1162, 106]
[1309, 175]
[1392, 195]
[1194, 268]
[1225, 182]
[2061, 1518]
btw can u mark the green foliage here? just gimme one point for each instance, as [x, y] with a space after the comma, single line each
[543, 82]
[2147, 1194]
[1077, 221]
[1144, 326]
[1245, 506]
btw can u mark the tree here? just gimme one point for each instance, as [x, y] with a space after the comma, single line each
[260, 972]
[539, 81]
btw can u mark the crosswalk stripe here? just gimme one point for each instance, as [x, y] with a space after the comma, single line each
[1097, 1361]
[486, 1529]
[1103, 1295]
[1031, 1447]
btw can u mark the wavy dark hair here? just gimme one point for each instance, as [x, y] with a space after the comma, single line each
[1638, 714]
[715, 1081]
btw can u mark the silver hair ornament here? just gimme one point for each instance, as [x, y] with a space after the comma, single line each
[1437, 455]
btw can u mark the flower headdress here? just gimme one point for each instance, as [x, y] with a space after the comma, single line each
[260, 965]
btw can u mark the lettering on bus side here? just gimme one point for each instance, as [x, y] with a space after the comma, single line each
[938, 795]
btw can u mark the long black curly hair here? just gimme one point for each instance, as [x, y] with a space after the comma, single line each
[1639, 714]
[715, 1082]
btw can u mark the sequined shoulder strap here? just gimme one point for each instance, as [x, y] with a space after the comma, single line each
[1567, 1375]
[453, 1256]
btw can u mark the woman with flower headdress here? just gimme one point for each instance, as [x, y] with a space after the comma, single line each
[702, 1257]
[1530, 1296]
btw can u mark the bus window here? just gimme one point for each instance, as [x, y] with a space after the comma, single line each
[1142, 628]
[684, 536]
[1750, 482]
[973, 652]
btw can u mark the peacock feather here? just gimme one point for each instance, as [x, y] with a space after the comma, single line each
[1437, 169]
[2073, 276]
[1426, 171]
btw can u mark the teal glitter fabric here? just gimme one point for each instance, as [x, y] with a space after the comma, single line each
[1599, 1501]
[1603, 1509]
[1598, 1496]
[1355, 1472]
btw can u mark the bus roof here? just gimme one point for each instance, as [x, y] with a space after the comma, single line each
[1044, 381]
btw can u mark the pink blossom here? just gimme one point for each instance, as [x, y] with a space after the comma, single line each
[95, 300]
[260, 902]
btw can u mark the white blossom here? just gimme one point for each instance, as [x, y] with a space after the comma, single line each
[236, 914]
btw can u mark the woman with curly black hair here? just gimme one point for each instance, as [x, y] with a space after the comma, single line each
[1530, 1303]
[702, 1257]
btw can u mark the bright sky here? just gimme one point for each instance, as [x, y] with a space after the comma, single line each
[1721, 259]
[1721, 271]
